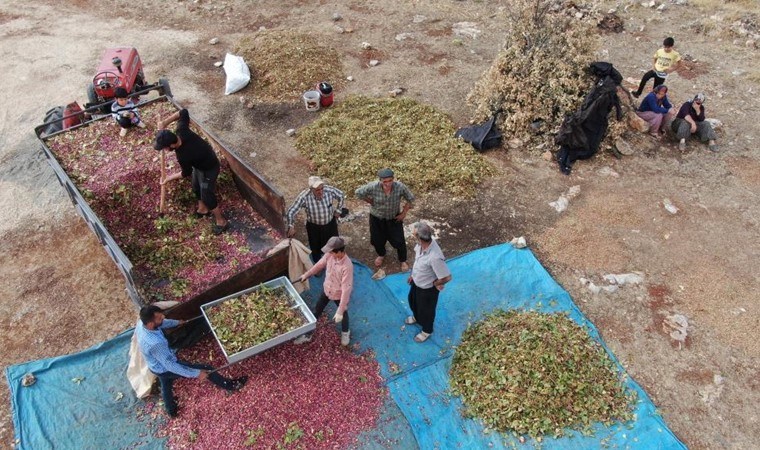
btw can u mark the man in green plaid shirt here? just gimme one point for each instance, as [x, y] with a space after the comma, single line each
[386, 215]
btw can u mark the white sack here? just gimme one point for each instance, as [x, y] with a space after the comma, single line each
[238, 74]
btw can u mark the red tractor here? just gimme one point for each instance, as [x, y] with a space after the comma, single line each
[119, 67]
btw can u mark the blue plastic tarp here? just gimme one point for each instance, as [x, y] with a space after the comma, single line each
[484, 280]
[80, 401]
[101, 411]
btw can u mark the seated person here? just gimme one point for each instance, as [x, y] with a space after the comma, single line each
[691, 120]
[125, 112]
[654, 109]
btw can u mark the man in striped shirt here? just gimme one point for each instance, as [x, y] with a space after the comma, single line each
[162, 361]
[322, 214]
[386, 216]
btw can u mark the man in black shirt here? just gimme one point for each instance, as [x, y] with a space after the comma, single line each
[196, 158]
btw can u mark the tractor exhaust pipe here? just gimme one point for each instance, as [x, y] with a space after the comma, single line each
[117, 62]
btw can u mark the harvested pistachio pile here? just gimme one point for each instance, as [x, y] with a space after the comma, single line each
[243, 322]
[537, 374]
[285, 64]
[539, 76]
[351, 141]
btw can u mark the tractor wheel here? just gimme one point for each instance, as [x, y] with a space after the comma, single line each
[53, 120]
[92, 97]
[164, 83]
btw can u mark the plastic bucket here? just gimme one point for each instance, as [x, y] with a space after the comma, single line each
[326, 94]
[312, 100]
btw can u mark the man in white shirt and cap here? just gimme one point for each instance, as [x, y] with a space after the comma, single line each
[429, 275]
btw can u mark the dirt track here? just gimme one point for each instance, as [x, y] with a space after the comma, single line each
[61, 293]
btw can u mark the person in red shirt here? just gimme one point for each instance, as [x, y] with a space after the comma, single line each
[339, 282]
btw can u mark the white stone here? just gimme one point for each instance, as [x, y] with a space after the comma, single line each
[624, 278]
[466, 29]
[669, 206]
[560, 204]
[374, 63]
[403, 36]
[336, 17]
[716, 124]
[218, 64]
[594, 288]
[290, 131]
[339, 30]
[418, 18]
[607, 172]
[366, 45]
[350, 78]
[214, 41]
[519, 242]
[396, 92]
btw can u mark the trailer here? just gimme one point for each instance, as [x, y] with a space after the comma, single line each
[262, 196]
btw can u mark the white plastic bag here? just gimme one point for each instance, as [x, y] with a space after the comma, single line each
[238, 74]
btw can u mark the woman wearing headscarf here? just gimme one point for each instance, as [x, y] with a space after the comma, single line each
[654, 108]
[691, 120]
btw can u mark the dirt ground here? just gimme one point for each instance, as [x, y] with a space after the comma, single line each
[61, 293]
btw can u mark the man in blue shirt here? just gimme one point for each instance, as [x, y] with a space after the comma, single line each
[163, 362]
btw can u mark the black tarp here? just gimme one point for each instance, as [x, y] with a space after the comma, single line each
[582, 132]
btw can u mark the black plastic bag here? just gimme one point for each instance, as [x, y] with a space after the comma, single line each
[482, 136]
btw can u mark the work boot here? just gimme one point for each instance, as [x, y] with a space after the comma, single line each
[238, 383]
[345, 338]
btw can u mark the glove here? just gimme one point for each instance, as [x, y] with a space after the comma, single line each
[338, 317]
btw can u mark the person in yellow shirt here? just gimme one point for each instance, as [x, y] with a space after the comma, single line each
[666, 61]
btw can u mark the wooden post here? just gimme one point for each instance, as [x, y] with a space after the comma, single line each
[162, 203]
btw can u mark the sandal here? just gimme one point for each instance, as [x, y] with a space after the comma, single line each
[422, 337]
[410, 320]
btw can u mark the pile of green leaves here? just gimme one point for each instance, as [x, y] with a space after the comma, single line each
[539, 76]
[243, 322]
[352, 141]
[534, 373]
[285, 64]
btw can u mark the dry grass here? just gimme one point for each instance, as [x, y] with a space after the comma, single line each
[286, 64]
[540, 74]
[351, 141]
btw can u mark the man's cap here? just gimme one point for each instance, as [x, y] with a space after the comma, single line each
[315, 182]
[385, 173]
[120, 92]
[700, 97]
[164, 138]
[333, 243]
